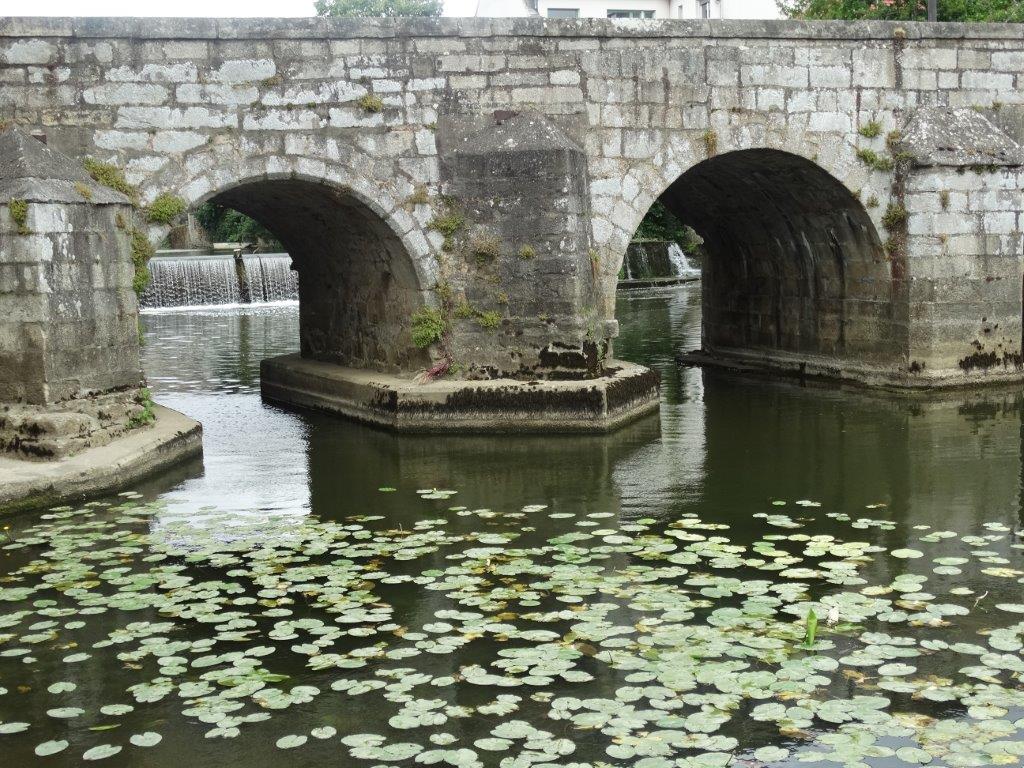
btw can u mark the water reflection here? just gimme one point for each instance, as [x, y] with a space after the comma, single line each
[721, 442]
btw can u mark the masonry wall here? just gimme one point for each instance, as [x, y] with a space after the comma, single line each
[68, 325]
[194, 106]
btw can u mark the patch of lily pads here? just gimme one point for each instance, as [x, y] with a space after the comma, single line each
[526, 637]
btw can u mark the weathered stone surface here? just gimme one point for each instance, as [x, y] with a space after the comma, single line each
[764, 118]
[102, 469]
[68, 315]
[624, 393]
[958, 138]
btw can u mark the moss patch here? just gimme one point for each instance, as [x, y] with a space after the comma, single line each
[19, 214]
[527, 252]
[371, 103]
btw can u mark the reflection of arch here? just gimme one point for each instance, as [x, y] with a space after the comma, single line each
[364, 264]
[794, 263]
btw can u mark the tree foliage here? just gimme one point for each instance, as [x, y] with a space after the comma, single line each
[904, 10]
[379, 9]
[226, 225]
[661, 224]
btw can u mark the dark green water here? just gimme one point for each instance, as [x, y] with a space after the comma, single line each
[276, 490]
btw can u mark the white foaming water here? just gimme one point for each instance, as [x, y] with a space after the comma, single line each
[680, 264]
[188, 281]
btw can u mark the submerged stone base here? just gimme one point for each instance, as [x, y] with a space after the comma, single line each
[860, 374]
[100, 469]
[501, 405]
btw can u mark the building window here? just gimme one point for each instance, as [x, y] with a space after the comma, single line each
[563, 13]
[630, 14]
[704, 9]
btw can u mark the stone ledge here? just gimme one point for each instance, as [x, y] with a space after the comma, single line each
[788, 365]
[100, 470]
[501, 405]
[311, 28]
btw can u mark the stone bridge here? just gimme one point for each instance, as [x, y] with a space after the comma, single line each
[858, 185]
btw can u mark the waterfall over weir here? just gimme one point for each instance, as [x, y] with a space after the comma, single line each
[646, 260]
[188, 280]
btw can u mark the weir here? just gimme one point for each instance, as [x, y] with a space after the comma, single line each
[199, 280]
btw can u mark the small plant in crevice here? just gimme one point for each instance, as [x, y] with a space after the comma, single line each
[165, 208]
[894, 217]
[148, 414]
[527, 252]
[464, 310]
[892, 140]
[448, 224]
[428, 327]
[872, 202]
[870, 129]
[944, 199]
[874, 160]
[19, 214]
[109, 175]
[501, 297]
[371, 103]
[485, 247]
[418, 196]
[488, 320]
[272, 81]
[710, 139]
[83, 190]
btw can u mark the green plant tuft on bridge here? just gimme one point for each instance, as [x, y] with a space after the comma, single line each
[110, 175]
[165, 208]
[428, 327]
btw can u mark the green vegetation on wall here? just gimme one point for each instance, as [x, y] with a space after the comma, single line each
[226, 225]
[110, 175]
[165, 208]
[19, 214]
[904, 10]
[428, 327]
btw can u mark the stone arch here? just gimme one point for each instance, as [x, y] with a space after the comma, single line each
[364, 263]
[795, 268]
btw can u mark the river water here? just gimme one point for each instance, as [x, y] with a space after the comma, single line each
[316, 592]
